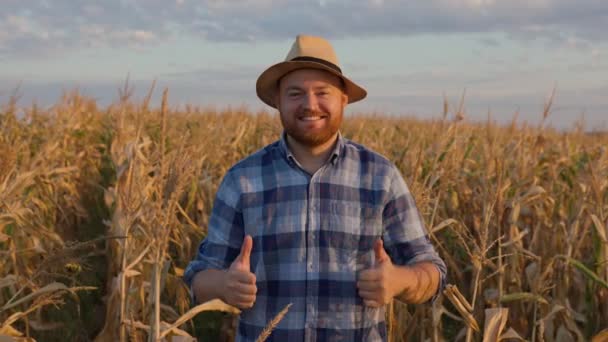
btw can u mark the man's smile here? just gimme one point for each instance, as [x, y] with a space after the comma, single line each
[312, 118]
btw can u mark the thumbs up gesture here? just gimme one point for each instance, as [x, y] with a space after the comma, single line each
[239, 283]
[376, 285]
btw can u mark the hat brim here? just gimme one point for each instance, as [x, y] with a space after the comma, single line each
[267, 83]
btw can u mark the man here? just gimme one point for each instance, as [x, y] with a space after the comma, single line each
[314, 219]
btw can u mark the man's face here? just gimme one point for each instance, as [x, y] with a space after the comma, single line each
[311, 104]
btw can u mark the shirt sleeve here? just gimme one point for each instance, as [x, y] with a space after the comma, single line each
[225, 232]
[405, 238]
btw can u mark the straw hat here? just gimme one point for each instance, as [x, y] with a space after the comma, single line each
[306, 52]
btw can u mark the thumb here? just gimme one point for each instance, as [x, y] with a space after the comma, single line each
[379, 251]
[242, 261]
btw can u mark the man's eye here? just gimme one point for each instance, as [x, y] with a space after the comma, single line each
[293, 94]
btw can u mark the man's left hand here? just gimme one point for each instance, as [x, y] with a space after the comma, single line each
[378, 285]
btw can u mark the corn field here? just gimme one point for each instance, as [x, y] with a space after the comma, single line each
[101, 209]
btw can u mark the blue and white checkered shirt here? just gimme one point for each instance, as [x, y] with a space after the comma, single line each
[311, 237]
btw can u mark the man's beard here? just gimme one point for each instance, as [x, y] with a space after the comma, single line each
[312, 139]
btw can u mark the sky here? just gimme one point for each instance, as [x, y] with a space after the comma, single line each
[503, 56]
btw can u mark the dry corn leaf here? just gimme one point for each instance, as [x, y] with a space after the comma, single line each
[570, 323]
[131, 273]
[563, 335]
[511, 335]
[6, 327]
[9, 280]
[600, 228]
[175, 332]
[50, 288]
[136, 324]
[533, 192]
[495, 322]
[462, 305]
[53, 287]
[212, 305]
[442, 225]
[9, 331]
[546, 324]
[554, 311]
[38, 245]
[602, 336]
[514, 215]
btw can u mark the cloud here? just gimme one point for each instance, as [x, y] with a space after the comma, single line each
[40, 27]
[45, 26]
[224, 73]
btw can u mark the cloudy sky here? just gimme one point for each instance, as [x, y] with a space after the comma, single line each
[507, 56]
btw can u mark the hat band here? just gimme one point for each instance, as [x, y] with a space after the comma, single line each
[318, 60]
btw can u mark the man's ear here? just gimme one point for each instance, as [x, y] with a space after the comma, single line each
[344, 92]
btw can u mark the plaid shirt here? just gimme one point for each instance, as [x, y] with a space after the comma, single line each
[311, 237]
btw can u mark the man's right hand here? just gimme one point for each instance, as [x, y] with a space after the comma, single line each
[239, 283]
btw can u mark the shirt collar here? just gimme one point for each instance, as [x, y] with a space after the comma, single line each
[332, 159]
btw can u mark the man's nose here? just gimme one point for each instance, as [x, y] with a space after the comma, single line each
[310, 102]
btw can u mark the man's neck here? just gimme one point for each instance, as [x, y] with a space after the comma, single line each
[311, 158]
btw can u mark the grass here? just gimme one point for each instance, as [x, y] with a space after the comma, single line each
[102, 208]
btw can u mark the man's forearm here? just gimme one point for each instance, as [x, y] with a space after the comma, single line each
[420, 282]
[207, 285]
